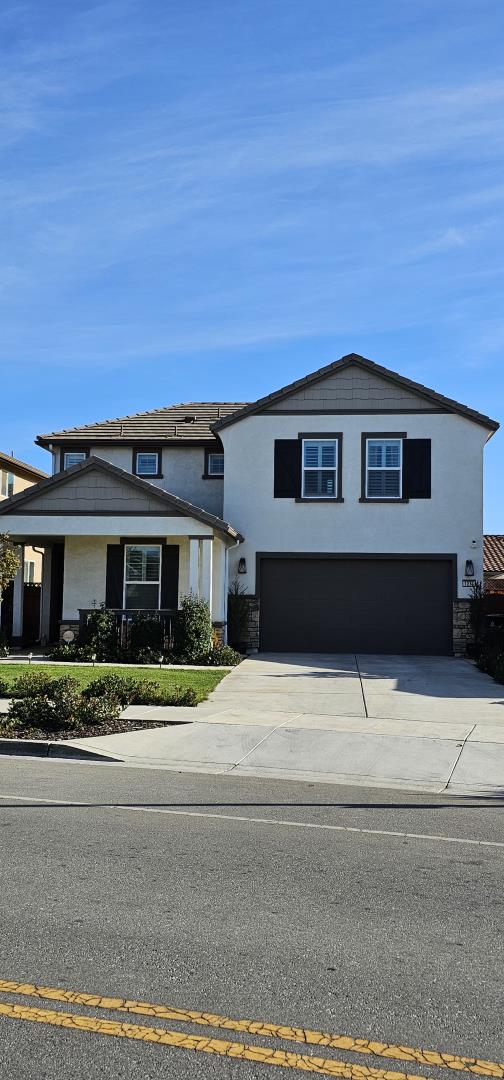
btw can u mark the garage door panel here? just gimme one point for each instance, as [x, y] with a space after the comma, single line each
[356, 605]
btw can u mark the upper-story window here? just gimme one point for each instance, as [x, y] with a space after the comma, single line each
[320, 469]
[7, 484]
[214, 464]
[142, 576]
[384, 468]
[146, 463]
[73, 457]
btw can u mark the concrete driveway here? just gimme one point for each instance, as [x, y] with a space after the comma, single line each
[429, 723]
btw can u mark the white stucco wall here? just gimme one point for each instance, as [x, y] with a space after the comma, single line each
[447, 523]
[84, 573]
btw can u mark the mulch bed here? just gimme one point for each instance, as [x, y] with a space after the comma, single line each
[114, 727]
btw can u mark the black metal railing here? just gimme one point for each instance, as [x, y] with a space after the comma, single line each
[129, 629]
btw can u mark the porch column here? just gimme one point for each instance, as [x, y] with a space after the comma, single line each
[17, 600]
[206, 567]
[194, 559]
[45, 596]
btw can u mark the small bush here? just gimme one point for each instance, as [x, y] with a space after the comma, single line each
[122, 687]
[5, 690]
[53, 710]
[193, 630]
[41, 684]
[100, 634]
[72, 653]
[99, 710]
[222, 656]
[147, 655]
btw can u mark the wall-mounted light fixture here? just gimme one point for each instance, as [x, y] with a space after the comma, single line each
[469, 568]
[242, 565]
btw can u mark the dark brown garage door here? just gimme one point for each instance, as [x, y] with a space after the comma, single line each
[374, 605]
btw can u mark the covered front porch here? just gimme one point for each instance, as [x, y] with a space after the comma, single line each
[111, 540]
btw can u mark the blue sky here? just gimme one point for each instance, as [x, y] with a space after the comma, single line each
[205, 200]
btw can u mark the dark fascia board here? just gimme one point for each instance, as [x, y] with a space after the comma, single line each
[187, 509]
[444, 403]
[146, 441]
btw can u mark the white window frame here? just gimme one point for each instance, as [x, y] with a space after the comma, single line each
[214, 454]
[80, 454]
[126, 583]
[7, 482]
[29, 572]
[145, 453]
[308, 468]
[384, 468]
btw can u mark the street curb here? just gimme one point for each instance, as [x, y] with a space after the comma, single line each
[45, 748]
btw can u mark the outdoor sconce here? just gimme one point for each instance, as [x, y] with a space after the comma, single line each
[242, 566]
[469, 568]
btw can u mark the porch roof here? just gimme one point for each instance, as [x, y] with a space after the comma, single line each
[95, 488]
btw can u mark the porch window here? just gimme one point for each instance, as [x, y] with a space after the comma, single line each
[142, 576]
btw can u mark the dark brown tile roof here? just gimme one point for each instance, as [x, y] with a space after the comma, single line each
[20, 466]
[188, 422]
[443, 403]
[493, 553]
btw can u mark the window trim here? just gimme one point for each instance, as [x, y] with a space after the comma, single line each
[207, 475]
[7, 475]
[323, 436]
[72, 450]
[126, 583]
[158, 475]
[370, 435]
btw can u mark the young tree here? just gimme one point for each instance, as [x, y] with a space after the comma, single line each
[9, 562]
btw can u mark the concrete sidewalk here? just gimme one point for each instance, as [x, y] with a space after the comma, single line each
[425, 723]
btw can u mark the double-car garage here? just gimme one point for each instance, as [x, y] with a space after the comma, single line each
[360, 604]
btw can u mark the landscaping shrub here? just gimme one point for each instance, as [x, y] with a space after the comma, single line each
[122, 687]
[99, 710]
[221, 656]
[54, 708]
[72, 653]
[100, 634]
[146, 637]
[40, 684]
[5, 690]
[192, 631]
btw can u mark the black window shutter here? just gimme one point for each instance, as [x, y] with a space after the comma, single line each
[115, 576]
[416, 468]
[170, 575]
[287, 482]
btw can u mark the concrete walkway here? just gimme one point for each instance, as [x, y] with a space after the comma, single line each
[426, 723]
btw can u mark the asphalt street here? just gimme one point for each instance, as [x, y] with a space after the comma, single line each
[363, 913]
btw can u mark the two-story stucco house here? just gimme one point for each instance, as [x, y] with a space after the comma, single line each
[16, 476]
[349, 504]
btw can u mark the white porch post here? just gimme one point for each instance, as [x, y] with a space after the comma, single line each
[17, 600]
[194, 559]
[206, 570]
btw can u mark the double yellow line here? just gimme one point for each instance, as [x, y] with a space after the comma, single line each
[245, 1051]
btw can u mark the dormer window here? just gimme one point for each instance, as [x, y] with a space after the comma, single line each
[147, 464]
[72, 457]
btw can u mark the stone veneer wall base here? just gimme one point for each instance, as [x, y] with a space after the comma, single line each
[463, 635]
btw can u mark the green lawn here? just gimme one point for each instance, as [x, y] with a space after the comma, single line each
[203, 682]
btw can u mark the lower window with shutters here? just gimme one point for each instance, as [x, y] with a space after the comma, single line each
[142, 576]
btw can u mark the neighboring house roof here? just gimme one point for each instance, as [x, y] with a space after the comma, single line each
[442, 403]
[493, 553]
[494, 585]
[20, 467]
[188, 422]
[20, 503]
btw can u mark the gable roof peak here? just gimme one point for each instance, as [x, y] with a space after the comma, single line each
[439, 401]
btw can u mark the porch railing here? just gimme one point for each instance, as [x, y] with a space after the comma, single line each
[139, 628]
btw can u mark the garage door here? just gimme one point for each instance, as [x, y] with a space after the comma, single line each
[356, 605]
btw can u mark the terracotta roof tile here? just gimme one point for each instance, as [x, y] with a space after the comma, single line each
[493, 553]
